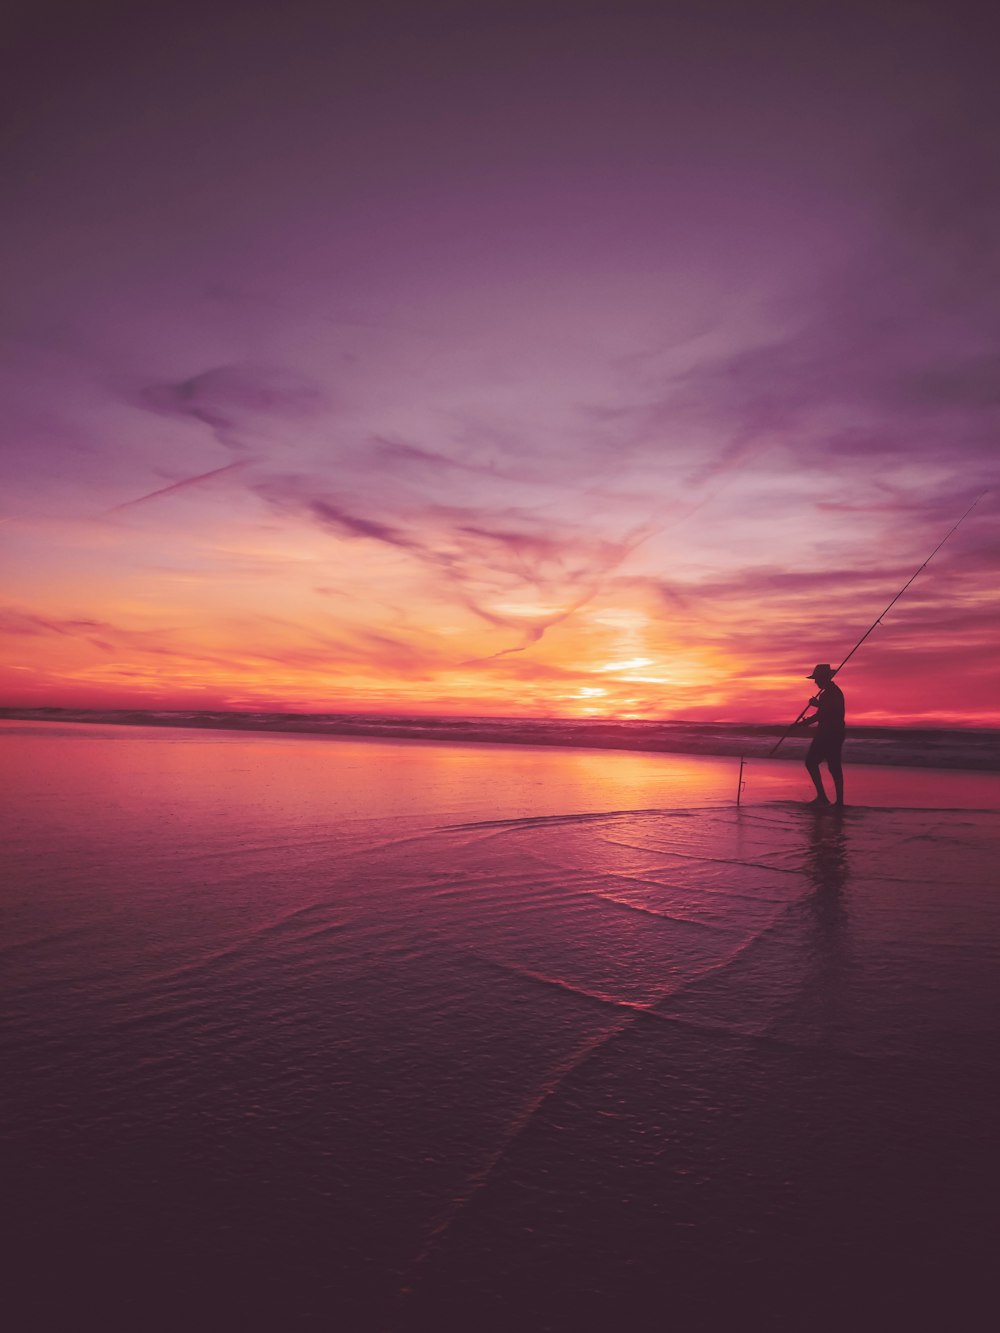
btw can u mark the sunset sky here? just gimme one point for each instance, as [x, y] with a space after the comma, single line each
[551, 359]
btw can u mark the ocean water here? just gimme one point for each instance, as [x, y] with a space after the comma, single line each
[968, 748]
[303, 1032]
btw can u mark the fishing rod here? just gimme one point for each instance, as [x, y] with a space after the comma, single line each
[878, 620]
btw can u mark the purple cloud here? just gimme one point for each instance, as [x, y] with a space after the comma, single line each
[240, 403]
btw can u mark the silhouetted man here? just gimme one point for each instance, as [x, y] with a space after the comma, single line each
[830, 730]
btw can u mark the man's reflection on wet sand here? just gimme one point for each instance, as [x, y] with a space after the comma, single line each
[827, 925]
[826, 861]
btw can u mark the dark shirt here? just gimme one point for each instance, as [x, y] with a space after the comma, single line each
[830, 712]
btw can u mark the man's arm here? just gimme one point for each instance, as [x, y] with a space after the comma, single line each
[808, 721]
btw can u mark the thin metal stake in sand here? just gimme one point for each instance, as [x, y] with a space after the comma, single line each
[878, 619]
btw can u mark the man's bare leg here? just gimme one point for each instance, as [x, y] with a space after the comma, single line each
[812, 767]
[837, 773]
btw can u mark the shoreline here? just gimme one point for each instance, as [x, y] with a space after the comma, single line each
[972, 750]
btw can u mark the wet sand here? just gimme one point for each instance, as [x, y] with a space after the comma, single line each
[308, 1033]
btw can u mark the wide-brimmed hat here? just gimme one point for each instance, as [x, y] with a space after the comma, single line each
[821, 669]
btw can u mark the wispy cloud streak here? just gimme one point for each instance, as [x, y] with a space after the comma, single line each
[176, 486]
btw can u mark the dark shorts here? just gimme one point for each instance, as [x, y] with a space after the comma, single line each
[825, 748]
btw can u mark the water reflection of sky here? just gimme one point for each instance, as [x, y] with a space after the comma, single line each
[408, 1019]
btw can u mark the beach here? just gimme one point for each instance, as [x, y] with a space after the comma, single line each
[310, 1031]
